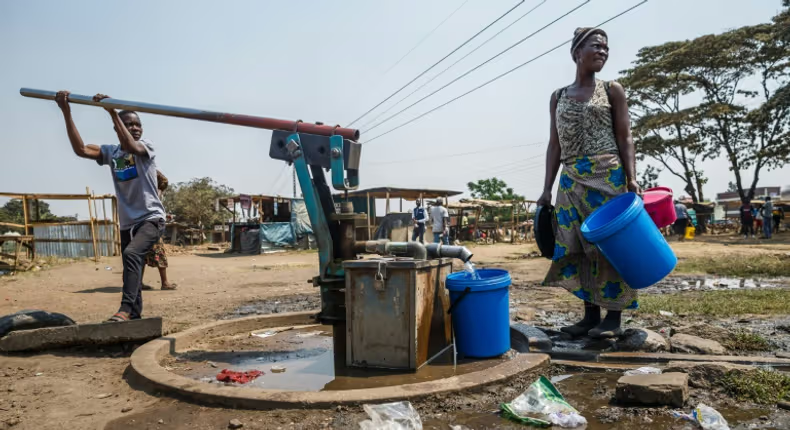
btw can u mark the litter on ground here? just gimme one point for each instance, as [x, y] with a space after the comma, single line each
[238, 377]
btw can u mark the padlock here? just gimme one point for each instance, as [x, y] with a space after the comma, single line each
[378, 282]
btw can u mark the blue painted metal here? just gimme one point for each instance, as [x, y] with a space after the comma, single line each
[338, 166]
[312, 202]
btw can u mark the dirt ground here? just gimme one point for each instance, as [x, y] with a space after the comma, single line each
[93, 389]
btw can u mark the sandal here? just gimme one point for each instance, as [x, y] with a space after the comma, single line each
[170, 287]
[119, 317]
[147, 287]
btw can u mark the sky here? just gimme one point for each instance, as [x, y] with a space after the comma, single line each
[327, 61]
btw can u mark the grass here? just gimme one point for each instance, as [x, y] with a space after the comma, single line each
[720, 303]
[759, 386]
[744, 341]
[762, 265]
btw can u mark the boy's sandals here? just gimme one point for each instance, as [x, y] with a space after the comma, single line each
[147, 287]
[119, 317]
[170, 287]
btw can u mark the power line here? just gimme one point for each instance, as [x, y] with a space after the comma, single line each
[456, 62]
[462, 154]
[425, 37]
[480, 65]
[436, 63]
[501, 75]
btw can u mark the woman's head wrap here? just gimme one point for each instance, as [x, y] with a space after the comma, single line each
[581, 34]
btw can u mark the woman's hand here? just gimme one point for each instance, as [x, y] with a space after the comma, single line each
[634, 187]
[545, 199]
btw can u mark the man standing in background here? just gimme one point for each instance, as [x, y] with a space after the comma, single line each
[440, 223]
[768, 215]
[418, 216]
[682, 220]
[747, 220]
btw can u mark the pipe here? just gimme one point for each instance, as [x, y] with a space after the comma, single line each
[414, 250]
[201, 115]
[437, 250]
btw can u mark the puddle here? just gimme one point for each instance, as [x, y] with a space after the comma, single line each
[309, 362]
[706, 283]
[276, 305]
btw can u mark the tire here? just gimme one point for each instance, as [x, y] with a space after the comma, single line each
[31, 319]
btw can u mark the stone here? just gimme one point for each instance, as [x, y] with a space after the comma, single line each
[688, 344]
[160, 422]
[704, 374]
[666, 389]
[235, 424]
[126, 409]
[103, 396]
[783, 355]
[641, 339]
[82, 334]
[705, 331]
[535, 338]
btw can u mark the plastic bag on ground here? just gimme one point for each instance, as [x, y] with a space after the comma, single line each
[542, 405]
[706, 417]
[391, 416]
[644, 371]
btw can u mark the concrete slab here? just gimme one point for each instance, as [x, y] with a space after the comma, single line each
[521, 370]
[641, 357]
[82, 334]
[671, 389]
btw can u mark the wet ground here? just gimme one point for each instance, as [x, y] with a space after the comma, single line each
[303, 359]
[592, 393]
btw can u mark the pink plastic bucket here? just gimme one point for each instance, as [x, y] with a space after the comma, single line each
[659, 205]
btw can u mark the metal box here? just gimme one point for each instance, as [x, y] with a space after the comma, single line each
[396, 311]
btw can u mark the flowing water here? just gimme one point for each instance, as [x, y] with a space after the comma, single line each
[471, 271]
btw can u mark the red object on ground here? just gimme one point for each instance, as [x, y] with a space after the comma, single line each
[238, 377]
[660, 206]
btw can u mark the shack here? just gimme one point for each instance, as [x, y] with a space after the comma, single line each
[393, 225]
[500, 220]
[260, 222]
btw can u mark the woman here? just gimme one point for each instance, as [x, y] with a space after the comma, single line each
[591, 138]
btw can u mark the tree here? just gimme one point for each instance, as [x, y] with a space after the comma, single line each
[13, 212]
[751, 128]
[648, 178]
[757, 137]
[492, 189]
[193, 202]
[731, 187]
[661, 127]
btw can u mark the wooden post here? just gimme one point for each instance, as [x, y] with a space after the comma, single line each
[116, 226]
[370, 232]
[107, 234]
[26, 215]
[512, 223]
[98, 228]
[93, 229]
[387, 209]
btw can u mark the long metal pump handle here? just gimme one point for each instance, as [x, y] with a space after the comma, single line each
[202, 115]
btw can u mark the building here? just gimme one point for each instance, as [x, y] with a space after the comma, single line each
[727, 203]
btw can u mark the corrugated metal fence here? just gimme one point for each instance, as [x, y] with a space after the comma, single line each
[74, 240]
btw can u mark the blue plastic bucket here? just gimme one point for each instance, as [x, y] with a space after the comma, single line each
[481, 314]
[630, 240]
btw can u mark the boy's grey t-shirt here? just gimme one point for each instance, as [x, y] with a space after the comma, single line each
[134, 177]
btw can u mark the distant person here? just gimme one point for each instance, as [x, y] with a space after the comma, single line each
[747, 220]
[683, 220]
[758, 220]
[157, 257]
[778, 215]
[440, 223]
[419, 218]
[767, 213]
[140, 211]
